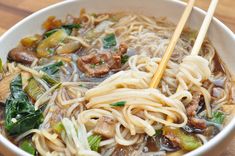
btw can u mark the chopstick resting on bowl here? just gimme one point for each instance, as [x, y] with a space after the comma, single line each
[166, 57]
[197, 46]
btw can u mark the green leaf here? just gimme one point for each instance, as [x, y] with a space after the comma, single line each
[71, 26]
[118, 104]
[52, 69]
[218, 117]
[50, 32]
[51, 73]
[158, 132]
[124, 59]
[34, 89]
[16, 89]
[27, 146]
[20, 115]
[94, 142]
[109, 41]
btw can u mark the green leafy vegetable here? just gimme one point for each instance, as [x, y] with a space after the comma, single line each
[218, 117]
[124, 59]
[109, 41]
[51, 73]
[16, 89]
[27, 146]
[52, 69]
[34, 89]
[158, 132]
[50, 32]
[69, 27]
[51, 51]
[20, 115]
[94, 142]
[187, 142]
[118, 104]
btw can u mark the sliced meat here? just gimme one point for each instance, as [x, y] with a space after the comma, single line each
[105, 126]
[22, 55]
[96, 65]
[122, 49]
[193, 106]
[191, 110]
[197, 123]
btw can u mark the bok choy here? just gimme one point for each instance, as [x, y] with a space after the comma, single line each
[50, 73]
[20, 115]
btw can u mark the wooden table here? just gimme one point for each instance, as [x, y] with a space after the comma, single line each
[12, 11]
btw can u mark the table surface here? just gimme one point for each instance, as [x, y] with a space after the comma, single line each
[12, 11]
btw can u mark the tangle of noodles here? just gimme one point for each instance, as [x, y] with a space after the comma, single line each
[78, 102]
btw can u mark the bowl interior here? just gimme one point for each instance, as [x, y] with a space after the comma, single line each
[222, 38]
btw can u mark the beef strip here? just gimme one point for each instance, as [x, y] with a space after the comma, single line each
[105, 126]
[191, 110]
[99, 64]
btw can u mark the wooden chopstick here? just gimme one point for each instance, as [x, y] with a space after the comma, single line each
[166, 57]
[203, 30]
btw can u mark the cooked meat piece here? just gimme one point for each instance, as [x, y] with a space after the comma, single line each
[197, 123]
[5, 86]
[193, 106]
[100, 64]
[105, 126]
[192, 110]
[22, 55]
[122, 49]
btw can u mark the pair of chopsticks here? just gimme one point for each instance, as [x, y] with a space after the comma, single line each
[179, 28]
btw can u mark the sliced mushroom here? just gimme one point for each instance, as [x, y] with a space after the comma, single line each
[105, 126]
[22, 55]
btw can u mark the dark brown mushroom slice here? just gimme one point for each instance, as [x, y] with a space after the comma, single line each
[22, 55]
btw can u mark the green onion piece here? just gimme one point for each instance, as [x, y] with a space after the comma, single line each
[109, 41]
[118, 104]
[50, 32]
[58, 128]
[34, 89]
[124, 59]
[51, 51]
[94, 142]
[71, 26]
[52, 68]
[218, 117]
[27, 146]
[49, 79]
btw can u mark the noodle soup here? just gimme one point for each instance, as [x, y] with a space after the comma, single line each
[82, 88]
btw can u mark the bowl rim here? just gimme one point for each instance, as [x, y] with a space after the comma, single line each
[213, 142]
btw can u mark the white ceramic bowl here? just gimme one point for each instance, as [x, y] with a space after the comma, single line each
[222, 38]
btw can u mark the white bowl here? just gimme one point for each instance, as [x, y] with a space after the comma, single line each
[222, 38]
